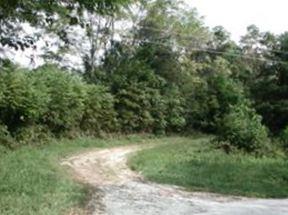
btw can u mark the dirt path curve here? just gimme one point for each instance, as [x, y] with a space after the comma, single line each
[119, 191]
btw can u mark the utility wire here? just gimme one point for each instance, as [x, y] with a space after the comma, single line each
[190, 37]
[212, 51]
[207, 50]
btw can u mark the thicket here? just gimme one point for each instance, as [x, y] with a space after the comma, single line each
[35, 105]
[168, 73]
[241, 128]
[49, 102]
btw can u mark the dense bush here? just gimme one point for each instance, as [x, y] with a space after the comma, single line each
[32, 135]
[21, 101]
[66, 97]
[99, 114]
[242, 129]
[144, 109]
[145, 102]
[210, 101]
[138, 109]
[284, 138]
[175, 112]
[5, 137]
[270, 88]
[37, 104]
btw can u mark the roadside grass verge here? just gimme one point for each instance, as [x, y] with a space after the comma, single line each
[195, 165]
[32, 181]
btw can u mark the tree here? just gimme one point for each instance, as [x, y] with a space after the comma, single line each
[46, 14]
[270, 90]
[166, 34]
[241, 128]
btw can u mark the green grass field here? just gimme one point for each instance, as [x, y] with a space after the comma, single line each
[193, 164]
[32, 181]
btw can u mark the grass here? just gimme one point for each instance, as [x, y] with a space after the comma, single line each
[32, 182]
[193, 164]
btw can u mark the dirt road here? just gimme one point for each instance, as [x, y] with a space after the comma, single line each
[120, 191]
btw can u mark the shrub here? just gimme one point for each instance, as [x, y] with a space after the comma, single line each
[144, 109]
[34, 104]
[210, 101]
[133, 105]
[99, 114]
[32, 135]
[5, 137]
[67, 95]
[284, 138]
[158, 111]
[175, 111]
[242, 129]
[21, 102]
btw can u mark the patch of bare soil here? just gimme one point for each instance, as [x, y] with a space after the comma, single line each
[120, 191]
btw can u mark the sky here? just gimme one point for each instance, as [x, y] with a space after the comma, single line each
[236, 15]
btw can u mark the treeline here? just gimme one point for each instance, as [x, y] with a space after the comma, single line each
[168, 74]
[49, 102]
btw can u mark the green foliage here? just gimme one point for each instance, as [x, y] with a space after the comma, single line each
[35, 105]
[133, 105]
[5, 137]
[67, 95]
[99, 114]
[146, 110]
[32, 135]
[270, 93]
[143, 99]
[21, 102]
[174, 110]
[242, 129]
[47, 95]
[54, 15]
[192, 163]
[211, 100]
[28, 8]
[284, 138]
[267, 81]
[156, 81]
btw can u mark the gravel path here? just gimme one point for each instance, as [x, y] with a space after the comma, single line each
[120, 191]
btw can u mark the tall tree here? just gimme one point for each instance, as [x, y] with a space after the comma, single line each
[44, 14]
[271, 88]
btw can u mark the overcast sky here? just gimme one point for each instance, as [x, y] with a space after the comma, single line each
[236, 15]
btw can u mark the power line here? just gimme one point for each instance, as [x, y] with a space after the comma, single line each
[212, 51]
[190, 37]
